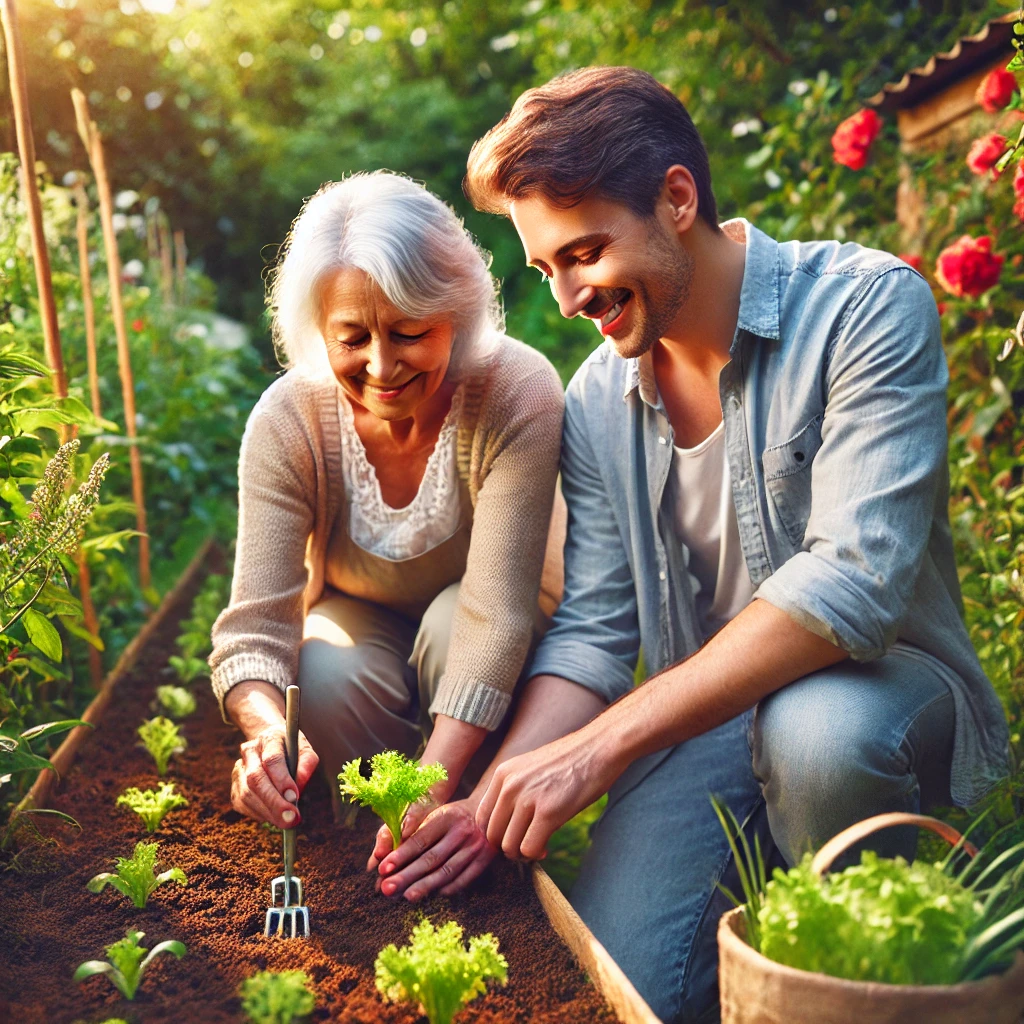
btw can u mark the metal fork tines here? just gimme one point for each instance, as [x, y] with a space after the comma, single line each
[289, 912]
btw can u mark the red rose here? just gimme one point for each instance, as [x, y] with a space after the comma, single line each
[913, 259]
[1018, 182]
[985, 152]
[138, 325]
[852, 139]
[968, 266]
[996, 90]
[941, 307]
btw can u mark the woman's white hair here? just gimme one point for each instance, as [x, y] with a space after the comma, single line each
[413, 246]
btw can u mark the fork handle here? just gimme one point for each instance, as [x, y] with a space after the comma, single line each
[291, 756]
[291, 736]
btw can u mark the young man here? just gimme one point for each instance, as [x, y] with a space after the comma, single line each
[754, 465]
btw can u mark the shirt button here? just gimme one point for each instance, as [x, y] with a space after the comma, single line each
[661, 575]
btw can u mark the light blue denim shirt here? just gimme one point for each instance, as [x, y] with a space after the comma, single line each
[835, 420]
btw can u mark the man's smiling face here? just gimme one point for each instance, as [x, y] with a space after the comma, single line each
[630, 275]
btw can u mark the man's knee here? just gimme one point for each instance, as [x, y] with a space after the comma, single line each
[832, 749]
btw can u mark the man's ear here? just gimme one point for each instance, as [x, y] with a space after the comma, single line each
[679, 192]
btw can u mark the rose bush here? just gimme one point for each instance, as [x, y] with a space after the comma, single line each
[985, 153]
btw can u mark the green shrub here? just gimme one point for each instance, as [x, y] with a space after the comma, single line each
[276, 997]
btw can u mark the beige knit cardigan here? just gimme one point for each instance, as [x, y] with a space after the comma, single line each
[291, 493]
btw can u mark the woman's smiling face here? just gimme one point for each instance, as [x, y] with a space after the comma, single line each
[386, 361]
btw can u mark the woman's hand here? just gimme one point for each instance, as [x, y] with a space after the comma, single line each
[261, 786]
[442, 849]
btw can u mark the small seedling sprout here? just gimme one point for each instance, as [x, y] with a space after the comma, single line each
[151, 805]
[127, 962]
[176, 701]
[135, 877]
[437, 971]
[161, 737]
[277, 997]
[395, 783]
[189, 668]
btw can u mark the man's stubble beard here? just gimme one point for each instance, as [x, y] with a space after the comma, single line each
[657, 310]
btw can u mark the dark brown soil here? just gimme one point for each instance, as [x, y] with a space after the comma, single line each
[50, 923]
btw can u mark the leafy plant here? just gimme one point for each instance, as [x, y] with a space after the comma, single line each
[437, 971]
[127, 962]
[884, 920]
[135, 877]
[276, 997]
[152, 805]
[176, 701]
[189, 668]
[395, 783]
[54, 526]
[160, 736]
[16, 755]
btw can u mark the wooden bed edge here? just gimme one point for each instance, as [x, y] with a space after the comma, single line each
[64, 756]
[606, 974]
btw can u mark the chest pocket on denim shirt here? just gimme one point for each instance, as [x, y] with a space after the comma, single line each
[787, 478]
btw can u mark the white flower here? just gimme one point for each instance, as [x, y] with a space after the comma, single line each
[799, 87]
[125, 199]
[505, 42]
[772, 179]
[153, 100]
[373, 34]
[133, 269]
[418, 37]
[120, 222]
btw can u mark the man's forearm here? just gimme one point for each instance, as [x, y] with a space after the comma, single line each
[550, 707]
[758, 652]
[253, 705]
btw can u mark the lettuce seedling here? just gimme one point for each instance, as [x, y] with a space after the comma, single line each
[127, 962]
[276, 997]
[437, 971]
[189, 668]
[395, 783]
[151, 805]
[160, 736]
[176, 701]
[135, 877]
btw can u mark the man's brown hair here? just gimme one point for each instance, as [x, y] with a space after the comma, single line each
[604, 131]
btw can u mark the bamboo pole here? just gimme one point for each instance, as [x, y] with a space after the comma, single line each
[82, 203]
[44, 280]
[180, 258]
[27, 154]
[94, 148]
[166, 258]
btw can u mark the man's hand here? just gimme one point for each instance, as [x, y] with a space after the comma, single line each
[533, 794]
[442, 848]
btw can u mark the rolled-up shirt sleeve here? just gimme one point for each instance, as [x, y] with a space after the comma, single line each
[594, 639]
[878, 473]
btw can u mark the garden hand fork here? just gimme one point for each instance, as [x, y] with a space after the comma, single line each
[290, 910]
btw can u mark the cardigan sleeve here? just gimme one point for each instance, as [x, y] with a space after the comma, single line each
[496, 610]
[257, 636]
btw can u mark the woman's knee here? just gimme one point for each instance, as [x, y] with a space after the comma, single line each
[430, 651]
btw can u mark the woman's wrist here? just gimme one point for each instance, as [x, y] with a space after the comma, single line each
[452, 744]
[253, 705]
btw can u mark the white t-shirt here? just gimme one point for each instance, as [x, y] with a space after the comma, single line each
[704, 517]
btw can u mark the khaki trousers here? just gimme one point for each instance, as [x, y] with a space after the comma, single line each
[367, 677]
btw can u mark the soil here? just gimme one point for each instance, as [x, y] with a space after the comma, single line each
[50, 923]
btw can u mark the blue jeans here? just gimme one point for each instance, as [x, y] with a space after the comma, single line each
[830, 749]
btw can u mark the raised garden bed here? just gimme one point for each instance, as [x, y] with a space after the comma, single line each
[50, 923]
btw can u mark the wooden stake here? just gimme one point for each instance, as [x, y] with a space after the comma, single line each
[27, 154]
[94, 148]
[82, 203]
[152, 242]
[180, 257]
[166, 258]
[92, 623]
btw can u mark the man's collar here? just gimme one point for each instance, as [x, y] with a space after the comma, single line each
[759, 302]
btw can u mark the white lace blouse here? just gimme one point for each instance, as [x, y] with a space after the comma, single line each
[428, 520]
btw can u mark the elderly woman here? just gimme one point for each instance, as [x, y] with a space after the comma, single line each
[395, 493]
